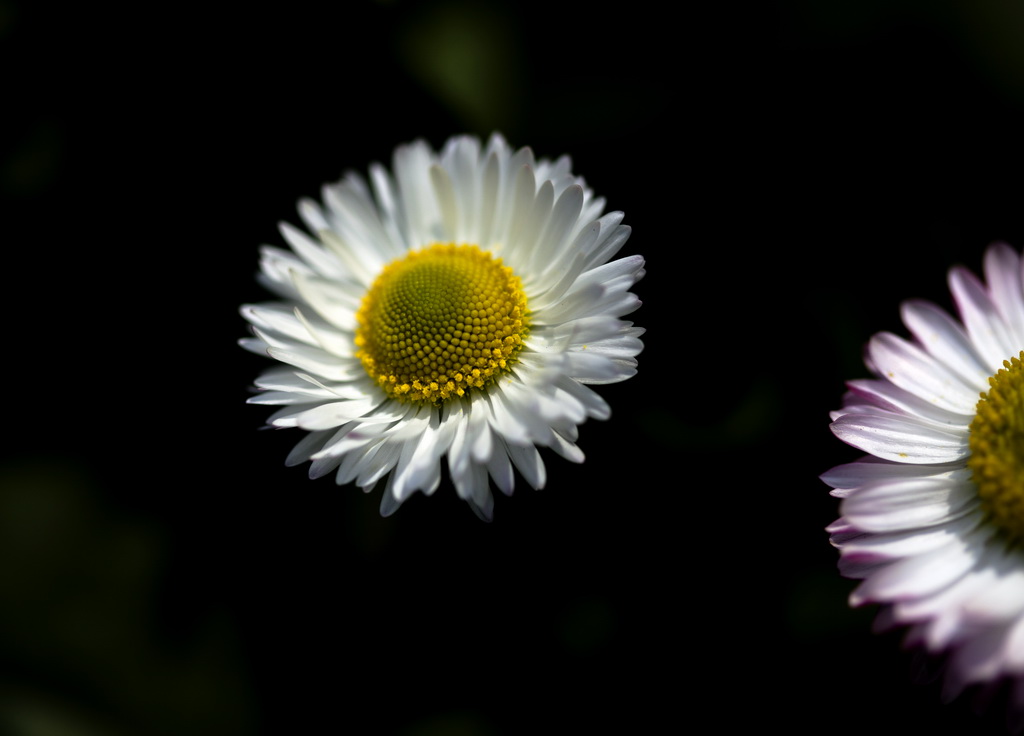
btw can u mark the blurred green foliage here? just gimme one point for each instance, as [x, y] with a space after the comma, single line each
[31, 159]
[84, 646]
[468, 55]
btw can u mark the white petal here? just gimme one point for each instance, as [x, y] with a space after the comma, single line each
[1003, 598]
[587, 366]
[506, 422]
[318, 362]
[482, 502]
[901, 439]
[946, 341]
[568, 450]
[912, 369]
[870, 469]
[577, 303]
[333, 340]
[595, 405]
[917, 576]
[555, 238]
[389, 502]
[312, 253]
[980, 658]
[411, 167]
[361, 265]
[277, 320]
[984, 325]
[461, 158]
[482, 439]
[896, 505]
[611, 242]
[325, 416]
[889, 545]
[529, 463]
[549, 290]
[894, 399]
[306, 447]
[1003, 272]
[445, 194]
[526, 237]
[518, 217]
[500, 469]
[490, 200]
[386, 197]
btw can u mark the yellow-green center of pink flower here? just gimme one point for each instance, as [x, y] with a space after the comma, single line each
[441, 321]
[997, 449]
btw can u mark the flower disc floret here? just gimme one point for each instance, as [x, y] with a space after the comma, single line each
[441, 321]
[997, 449]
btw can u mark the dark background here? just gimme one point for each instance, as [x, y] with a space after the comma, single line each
[791, 169]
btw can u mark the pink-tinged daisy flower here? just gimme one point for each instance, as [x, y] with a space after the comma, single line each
[456, 308]
[932, 520]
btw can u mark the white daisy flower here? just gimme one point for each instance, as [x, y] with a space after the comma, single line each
[932, 521]
[456, 307]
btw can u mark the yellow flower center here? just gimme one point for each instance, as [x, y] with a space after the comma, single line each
[997, 449]
[441, 321]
